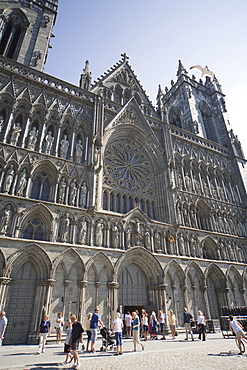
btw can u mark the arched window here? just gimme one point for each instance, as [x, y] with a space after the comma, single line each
[105, 200]
[111, 202]
[118, 203]
[34, 230]
[124, 204]
[41, 186]
[14, 27]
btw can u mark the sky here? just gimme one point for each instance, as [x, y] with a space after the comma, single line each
[155, 34]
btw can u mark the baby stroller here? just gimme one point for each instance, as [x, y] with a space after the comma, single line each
[107, 341]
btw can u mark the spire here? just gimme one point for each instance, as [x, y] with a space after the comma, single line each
[161, 109]
[86, 77]
[160, 92]
[181, 69]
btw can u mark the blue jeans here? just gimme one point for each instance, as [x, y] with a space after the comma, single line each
[118, 337]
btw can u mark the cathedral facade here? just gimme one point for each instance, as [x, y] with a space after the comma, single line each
[107, 201]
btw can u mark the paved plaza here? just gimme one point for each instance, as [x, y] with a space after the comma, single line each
[215, 353]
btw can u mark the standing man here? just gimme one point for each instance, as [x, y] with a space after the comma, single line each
[187, 325]
[95, 321]
[76, 339]
[3, 325]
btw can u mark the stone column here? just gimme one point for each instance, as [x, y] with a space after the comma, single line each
[72, 146]
[42, 135]
[185, 294]
[25, 134]
[58, 140]
[205, 295]
[195, 305]
[243, 292]
[113, 301]
[97, 285]
[47, 306]
[4, 283]
[8, 126]
[65, 285]
[82, 295]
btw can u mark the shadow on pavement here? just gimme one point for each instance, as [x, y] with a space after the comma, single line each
[224, 354]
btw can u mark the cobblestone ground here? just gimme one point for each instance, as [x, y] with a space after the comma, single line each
[215, 353]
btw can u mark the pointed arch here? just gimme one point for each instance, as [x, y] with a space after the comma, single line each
[209, 248]
[36, 255]
[177, 269]
[74, 255]
[99, 256]
[2, 262]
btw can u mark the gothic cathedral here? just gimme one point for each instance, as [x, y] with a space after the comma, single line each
[106, 200]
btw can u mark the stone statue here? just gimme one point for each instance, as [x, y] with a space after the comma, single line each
[157, 241]
[22, 182]
[181, 245]
[61, 191]
[128, 237]
[115, 236]
[139, 235]
[78, 151]
[96, 156]
[6, 219]
[99, 233]
[195, 127]
[188, 182]
[84, 195]
[64, 229]
[82, 231]
[192, 246]
[73, 192]
[49, 139]
[15, 134]
[32, 139]
[147, 239]
[64, 146]
[8, 179]
[1, 123]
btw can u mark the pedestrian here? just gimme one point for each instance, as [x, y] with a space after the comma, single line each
[161, 318]
[145, 325]
[88, 331]
[3, 325]
[59, 327]
[172, 323]
[43, 332]
[201, 323]
[95, 321]
[67, 346]
[128, 319]
[136, 331]
[76, 339]
[141, 319]
[237, 328]
[154, 324]
[118, 330]
[187, 323]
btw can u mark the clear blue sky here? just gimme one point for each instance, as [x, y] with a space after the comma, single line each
[155, 34]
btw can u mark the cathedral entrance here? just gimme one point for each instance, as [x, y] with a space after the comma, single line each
[133, 289]
[20, 307]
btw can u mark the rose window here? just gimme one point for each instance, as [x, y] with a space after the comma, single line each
[128, 166]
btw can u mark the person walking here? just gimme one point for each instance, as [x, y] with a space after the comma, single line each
[237, 328]
[187, 325]
[161, 318]
[201, 323]
[43, 332]
[172, 323]
[3, 326]
[128, 319]
[88, 331]
[59, 327]
[95, 321]
[136, 331]
[67, 347]
[144, 321]
[76, 339]
[118, 330]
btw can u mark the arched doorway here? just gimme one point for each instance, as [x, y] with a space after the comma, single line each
[20, 307]
[216, 289]
[133, 288]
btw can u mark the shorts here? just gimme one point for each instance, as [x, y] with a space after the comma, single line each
[75, 344]
[172, 327]
[118, 337]
[66, 348]
[128, 328]
[93, 335]
[145, 327]
[58, 330]
[88, 335]
[239, 334]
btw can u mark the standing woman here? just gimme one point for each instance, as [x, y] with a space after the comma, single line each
[43, 332]
[161, 318]
[201, 323]
[136, 331]
[88, 330]
[145, 325]
[118, 330]
[154, 324]
[172, 323]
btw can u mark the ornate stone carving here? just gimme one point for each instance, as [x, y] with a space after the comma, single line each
[22, 182]
[9, 177]
[61, 191]
[78, 151]
[6, 219]
[32, 139]
[64, 146]
[65, 228]
[82, 225]
[16, 131]
[49, 139]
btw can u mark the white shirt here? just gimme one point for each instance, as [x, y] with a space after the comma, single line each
[118, 325]
[234, 325]
[59, 324]
[201, 320]
[145, 320]
[68, 335]
[3, 321]
[128, 319]
[162, 317]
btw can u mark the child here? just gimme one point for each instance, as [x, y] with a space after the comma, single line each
[67, 343]
[59, 327]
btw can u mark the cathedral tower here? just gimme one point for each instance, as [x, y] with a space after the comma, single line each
[26, 29]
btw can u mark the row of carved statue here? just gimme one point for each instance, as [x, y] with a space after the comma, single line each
[120, 236]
